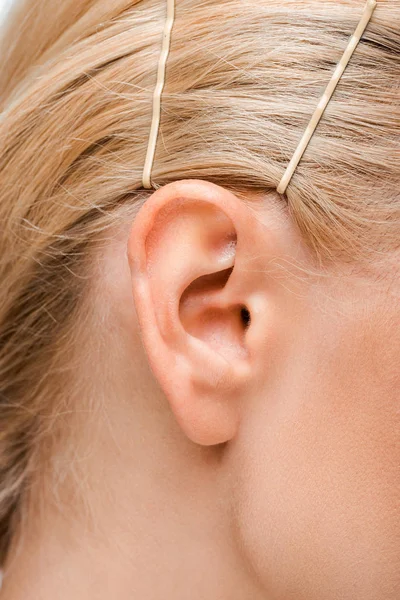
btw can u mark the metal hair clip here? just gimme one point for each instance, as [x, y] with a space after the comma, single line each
[319, 111]
[155, 125]
[315, 119]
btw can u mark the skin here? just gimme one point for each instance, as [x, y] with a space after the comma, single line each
[211, 458]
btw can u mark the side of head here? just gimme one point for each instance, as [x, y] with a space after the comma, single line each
[267, 321]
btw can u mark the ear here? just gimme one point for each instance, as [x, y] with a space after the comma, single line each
[201, 302]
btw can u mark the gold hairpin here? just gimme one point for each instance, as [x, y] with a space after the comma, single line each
[155, 125]
[315, 119]
[319, 111]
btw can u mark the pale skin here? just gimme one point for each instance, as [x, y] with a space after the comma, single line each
[258, 457]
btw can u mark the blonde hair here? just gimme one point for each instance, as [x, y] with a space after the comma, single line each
[243, 79]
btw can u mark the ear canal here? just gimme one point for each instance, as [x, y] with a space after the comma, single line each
[245, 316]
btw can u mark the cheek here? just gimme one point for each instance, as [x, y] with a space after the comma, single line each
[317, 504]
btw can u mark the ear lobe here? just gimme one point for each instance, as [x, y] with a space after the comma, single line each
[188, 253]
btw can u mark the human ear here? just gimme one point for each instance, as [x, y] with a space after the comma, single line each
[201, 302]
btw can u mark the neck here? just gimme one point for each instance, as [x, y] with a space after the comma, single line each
[133, 518]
